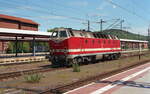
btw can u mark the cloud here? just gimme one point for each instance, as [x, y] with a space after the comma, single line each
[102, 6]
[25, 7]
[114, 6]
[97, 14]
[7, 10]
[140, 30]
[105, 4]
[52, 17]
[79, 3]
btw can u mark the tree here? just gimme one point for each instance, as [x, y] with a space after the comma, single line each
[52, 30]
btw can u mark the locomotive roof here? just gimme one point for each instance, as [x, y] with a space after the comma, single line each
[88, 34]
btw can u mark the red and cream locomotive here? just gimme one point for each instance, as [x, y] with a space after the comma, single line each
[69, 46]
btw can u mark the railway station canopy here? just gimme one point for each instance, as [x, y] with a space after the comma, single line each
[24, 35]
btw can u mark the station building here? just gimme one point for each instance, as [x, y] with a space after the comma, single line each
[12, 22]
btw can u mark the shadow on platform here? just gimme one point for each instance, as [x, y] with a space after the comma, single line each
[127, 83]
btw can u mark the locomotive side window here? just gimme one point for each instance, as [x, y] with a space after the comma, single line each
[81, 34]
[100, 36]
[116, 37]
[62, 34]
[95, 35]
[71, 32]
[109, 37]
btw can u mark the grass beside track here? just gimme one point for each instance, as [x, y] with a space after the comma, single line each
[66, 76]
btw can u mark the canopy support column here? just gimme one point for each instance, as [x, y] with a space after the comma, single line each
[16, 46]
[33, 46]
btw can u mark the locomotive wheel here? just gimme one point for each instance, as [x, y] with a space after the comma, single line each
[55, 64]
[118, 55]
[77, 60]
[115, 56]
[110, 57]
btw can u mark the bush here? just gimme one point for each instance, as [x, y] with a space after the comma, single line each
[33, 78]
[76, 67]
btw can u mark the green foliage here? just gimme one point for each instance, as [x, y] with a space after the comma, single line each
[76, 67]
[33, 78]
[10, 47]
[22, 47]
[26, 47]
[124, 34]
[52, 30]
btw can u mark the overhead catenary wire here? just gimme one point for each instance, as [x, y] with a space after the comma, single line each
[140, 7]
[129, 11]
[45, 12]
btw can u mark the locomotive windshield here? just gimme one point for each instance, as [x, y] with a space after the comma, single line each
[61, 34]
[55, 34]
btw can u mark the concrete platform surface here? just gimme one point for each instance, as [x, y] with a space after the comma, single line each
[133, 81]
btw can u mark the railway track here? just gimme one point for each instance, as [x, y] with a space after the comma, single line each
[66, 87]
[25, 72]
[16, 90]
[38, 70]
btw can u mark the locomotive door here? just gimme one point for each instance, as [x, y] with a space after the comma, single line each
[81, 45]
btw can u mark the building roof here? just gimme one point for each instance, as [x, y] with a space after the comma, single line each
[18, 19]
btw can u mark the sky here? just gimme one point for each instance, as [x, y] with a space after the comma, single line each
[135, 14]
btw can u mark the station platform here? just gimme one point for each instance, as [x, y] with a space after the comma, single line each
[133, 81]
